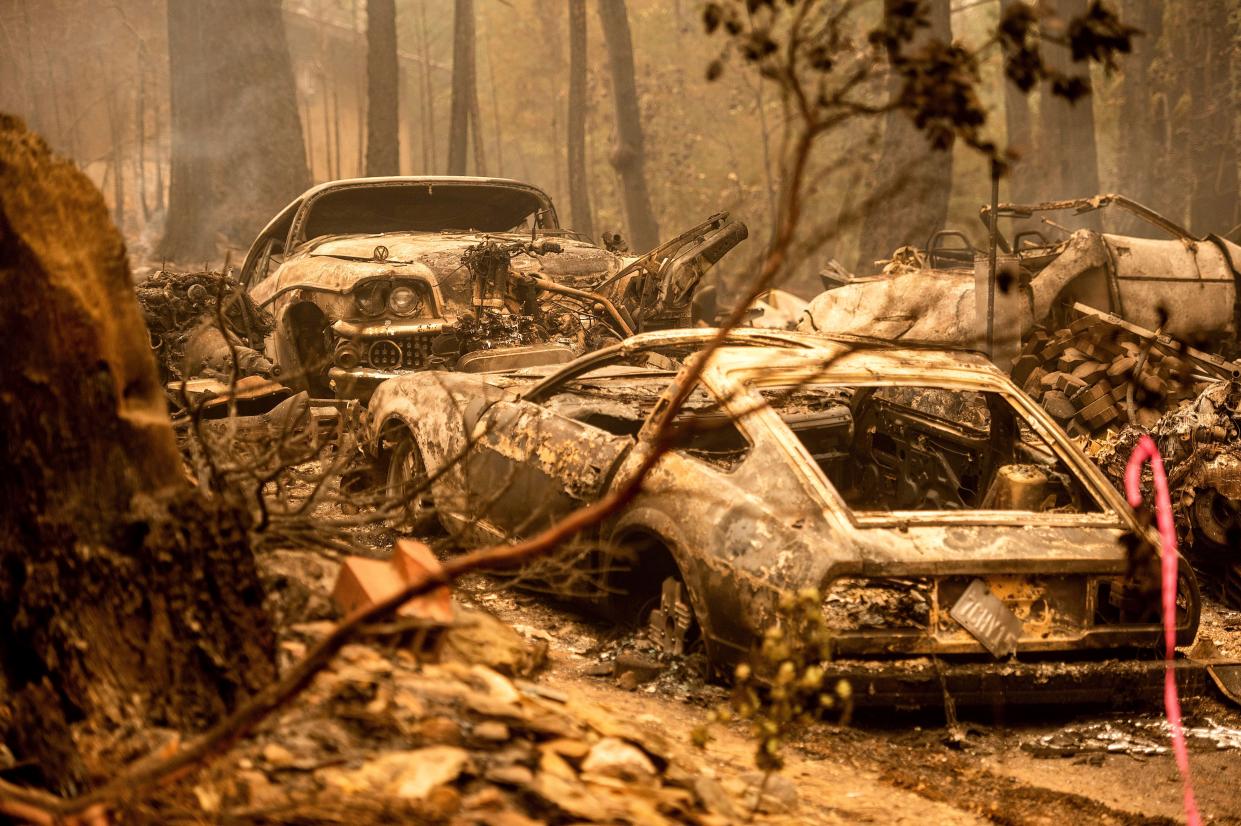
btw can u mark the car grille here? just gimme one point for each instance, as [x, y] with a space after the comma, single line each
[399, 352]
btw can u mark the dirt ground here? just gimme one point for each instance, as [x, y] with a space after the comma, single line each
[1045, 766]
[912, 767]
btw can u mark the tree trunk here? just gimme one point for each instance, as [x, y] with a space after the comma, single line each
[140, 139]
[1144, 136]
[128, 600]
[579, 184]
[629, 152]
[1213, 154]
[428, 90]
[382, 137]
[462, 85]
[1068, 161]
[1020, 134]
[476, 131]
[237, 149]
[912, 179]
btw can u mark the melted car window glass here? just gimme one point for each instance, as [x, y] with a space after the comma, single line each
[929, 449]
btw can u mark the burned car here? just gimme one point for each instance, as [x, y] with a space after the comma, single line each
[947, 521]
[375, 277]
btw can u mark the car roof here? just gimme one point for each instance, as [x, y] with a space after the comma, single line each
[345, 183]
[748, 349]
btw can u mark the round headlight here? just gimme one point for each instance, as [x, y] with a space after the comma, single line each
[403, 301]
[371, 300]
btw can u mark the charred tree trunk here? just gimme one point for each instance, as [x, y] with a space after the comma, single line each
[462, 85]
[629, 152]
[1068, 159]
[382, 92]
[913, 179]
[1145, 137]
[129, 600]
[579, 185]
[237, 149]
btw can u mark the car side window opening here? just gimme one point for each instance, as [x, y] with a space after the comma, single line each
[928, 448]
[622, 405]
[270, 259]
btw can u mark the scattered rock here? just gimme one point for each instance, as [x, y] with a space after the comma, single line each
[439, 730]
[510, 775]
[613, 757]
[491, 730]
[628, 681]
[498, 687]
[277, 756]
[602, 669]
[411, 775]
[567, 747]
[643, 668]
[779, 793]
[711, 795]
[257, 790]
[479, 638]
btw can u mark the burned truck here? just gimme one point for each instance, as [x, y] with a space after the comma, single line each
[372, 278]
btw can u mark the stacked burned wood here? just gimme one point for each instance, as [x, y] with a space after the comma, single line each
[1094, 375]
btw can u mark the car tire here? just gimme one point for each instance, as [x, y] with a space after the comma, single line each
[1189, 596]
[406, 472]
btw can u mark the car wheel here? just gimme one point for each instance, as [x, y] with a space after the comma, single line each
[672, 626]
[407, 486]
[1188, 602]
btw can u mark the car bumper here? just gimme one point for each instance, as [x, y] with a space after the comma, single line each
[924, 683]
[359, 383]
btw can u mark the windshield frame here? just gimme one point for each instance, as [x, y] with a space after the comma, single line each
[545, 211]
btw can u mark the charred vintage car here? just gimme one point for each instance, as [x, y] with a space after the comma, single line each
[952, 528]
[375, 277]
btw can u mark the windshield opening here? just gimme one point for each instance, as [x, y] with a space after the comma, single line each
[422, 207]
[889, 449]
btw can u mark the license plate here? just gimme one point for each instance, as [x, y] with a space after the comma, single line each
[982, 614]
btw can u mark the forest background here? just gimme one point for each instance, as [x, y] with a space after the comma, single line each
[257, 79]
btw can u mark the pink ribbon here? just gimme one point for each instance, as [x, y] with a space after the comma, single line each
[1146, 449]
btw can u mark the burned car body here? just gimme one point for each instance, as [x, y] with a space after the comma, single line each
[902, 483]
[1182, 285]
[374, 277]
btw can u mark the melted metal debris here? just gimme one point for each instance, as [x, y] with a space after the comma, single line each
[1141, 738]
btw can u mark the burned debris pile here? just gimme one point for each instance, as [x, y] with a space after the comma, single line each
[439, 716]
[183, 316]
[1100, 372]
[1200, 441]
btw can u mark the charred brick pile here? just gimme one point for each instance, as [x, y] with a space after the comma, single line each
[1094, 374]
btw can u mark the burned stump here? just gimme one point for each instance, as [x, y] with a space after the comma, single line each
[130, 601]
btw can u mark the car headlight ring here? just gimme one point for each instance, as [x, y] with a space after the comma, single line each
[403, 301]
[372, 300]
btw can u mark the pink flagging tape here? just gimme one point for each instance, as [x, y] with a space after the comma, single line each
[1145, 450]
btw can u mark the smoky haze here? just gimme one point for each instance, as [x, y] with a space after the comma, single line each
[250, 82]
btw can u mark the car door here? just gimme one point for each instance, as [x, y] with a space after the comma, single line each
[531, 466]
